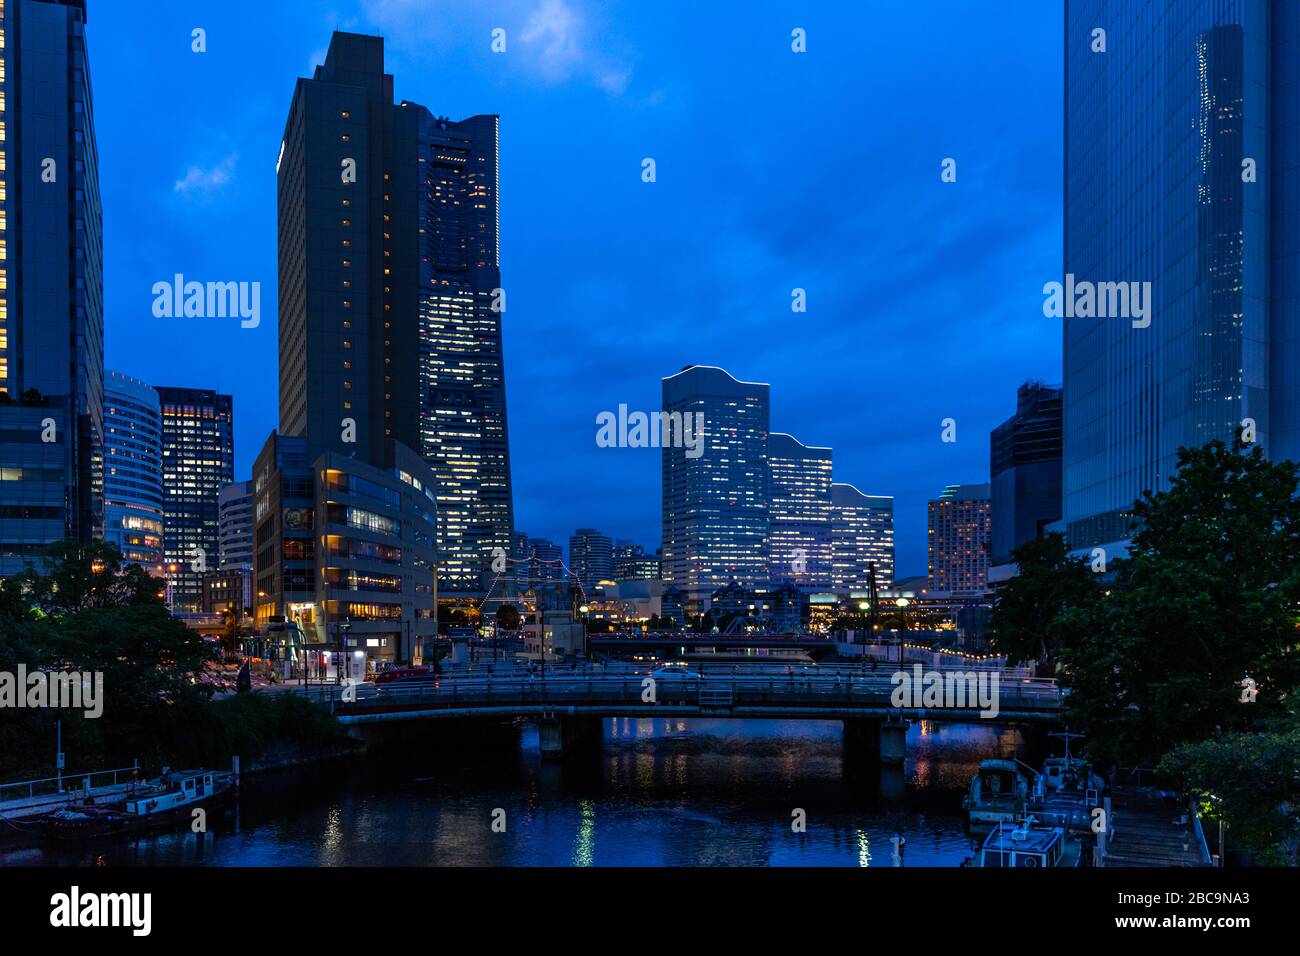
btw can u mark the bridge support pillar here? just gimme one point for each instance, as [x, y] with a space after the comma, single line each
[560, 735]
[893, 743]
[862, 737]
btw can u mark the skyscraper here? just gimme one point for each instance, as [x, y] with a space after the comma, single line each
[1180, 161]
[715, 504]
[959, 539]
[389, 295]
[799, 501]
[198, 460]
[1025, 470]
[235, 526]
[133, 490]
[51, 284]
[862, 534]
[591, 557]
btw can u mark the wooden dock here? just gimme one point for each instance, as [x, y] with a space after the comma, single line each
[1150, 830]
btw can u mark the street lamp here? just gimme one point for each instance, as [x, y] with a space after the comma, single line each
[873, 598]
[901, 603]
[864, 607]
[344, 627]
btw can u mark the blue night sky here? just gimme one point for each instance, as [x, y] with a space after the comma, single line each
[775, 171]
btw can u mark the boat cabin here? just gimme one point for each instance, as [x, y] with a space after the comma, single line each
[1015, 845]
[175, 789]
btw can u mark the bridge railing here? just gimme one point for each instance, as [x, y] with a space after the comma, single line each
[754, 690]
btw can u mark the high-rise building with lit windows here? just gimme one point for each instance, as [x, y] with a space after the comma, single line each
[799, 496]
[958, 539]
[632, 563]
[133, 489]
[198, 460]
[715, 488]
[390, 300]
[591, 558]
[51, 284]
[862, 535]
[1182, 169]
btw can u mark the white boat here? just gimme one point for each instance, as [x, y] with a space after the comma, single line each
[1023, 844]
[999, 793]
[168, 799]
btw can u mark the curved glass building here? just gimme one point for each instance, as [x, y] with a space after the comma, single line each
[133, 492]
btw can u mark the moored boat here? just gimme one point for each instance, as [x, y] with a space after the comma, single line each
[1025, 845]
[999, 793]
[169, 799]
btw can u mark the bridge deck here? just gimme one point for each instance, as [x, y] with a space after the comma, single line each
[829, 696]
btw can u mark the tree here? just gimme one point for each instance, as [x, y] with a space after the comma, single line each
[231, 631]
[1206, 600]
[508, 617]
[89, 614]
[1025, 624]
[1251, 783]
[78, 576]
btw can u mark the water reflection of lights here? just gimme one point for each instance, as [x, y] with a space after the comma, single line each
[585, 842]
[864, 848]
[333, 838]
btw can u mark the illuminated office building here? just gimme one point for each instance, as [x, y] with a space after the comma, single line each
[345, 548]
[631, 563]
[198, 460]
[862, 534]
[959, 539]
[715, 487]
[51, 284]
[799, 502]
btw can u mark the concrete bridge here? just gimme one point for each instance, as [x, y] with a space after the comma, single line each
[682, 645]
[568, 704]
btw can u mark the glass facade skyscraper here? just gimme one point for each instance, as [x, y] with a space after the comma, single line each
[1025, 470]
[389, 269]
[799, 520]
[715, 503]
[51, 284]
[862, 534]
[461, 377]
[1182, 147]
[133, 490]
[198, 460]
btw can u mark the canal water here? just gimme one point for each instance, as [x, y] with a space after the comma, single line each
[653, 793]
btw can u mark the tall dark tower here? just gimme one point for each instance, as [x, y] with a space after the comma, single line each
[51, 284]
[389, 275]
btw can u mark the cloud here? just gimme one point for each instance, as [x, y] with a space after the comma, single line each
[554, 44]
[555, 36]
[200, 181]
